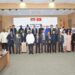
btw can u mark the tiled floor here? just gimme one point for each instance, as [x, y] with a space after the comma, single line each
[41, 64]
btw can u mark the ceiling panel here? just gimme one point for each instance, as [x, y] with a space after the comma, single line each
[29, 12]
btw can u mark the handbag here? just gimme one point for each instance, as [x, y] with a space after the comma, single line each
[23, 47]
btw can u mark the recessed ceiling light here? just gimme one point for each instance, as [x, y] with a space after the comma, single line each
[16, 9]
[10, 9]
[2, 9]
[52, 4]
[64, 9]
[22, 4]
[57, 9]
[69, 9]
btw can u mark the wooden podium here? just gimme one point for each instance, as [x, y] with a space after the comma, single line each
[4, 60]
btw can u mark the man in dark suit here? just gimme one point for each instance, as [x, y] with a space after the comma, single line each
[27, 29]
[21, 30]
[23, 37]
[13, 30]
[48, 42]
[57, 32]
[10, 39]
[46, 32]
[34, 30]
[73, 42]
[37, 41]
[51, 29]
[60, 42]
[53, 41]
[40, 29]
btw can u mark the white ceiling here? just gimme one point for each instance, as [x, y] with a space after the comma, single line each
[33, 12]
[37, 1]
[36, 11]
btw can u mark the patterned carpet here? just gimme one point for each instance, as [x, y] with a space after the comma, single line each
[41, 64]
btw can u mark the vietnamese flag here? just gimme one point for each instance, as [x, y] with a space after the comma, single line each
[39, 19]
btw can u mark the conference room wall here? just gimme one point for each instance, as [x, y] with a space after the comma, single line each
[6, 21]
[0, 23]
[63, 21]
[71, 19]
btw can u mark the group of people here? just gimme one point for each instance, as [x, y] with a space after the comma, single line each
[46, 40]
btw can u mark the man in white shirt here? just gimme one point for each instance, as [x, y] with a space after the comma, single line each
[30, 41]
[3, 39]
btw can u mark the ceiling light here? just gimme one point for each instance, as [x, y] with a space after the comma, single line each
[52, 4]
[22, 4]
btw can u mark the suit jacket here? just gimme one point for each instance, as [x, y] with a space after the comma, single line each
[13, 31]
[34, 31]
[21, 30]
[53, 38]
[23, 38]
[57, 31]
[18, 41]
[48, 38]
[10, 39]
[40, 30]
[26, 30]
[61, 39]
[51, 30]
[73, 38]
[46, 31]
[37, 39]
